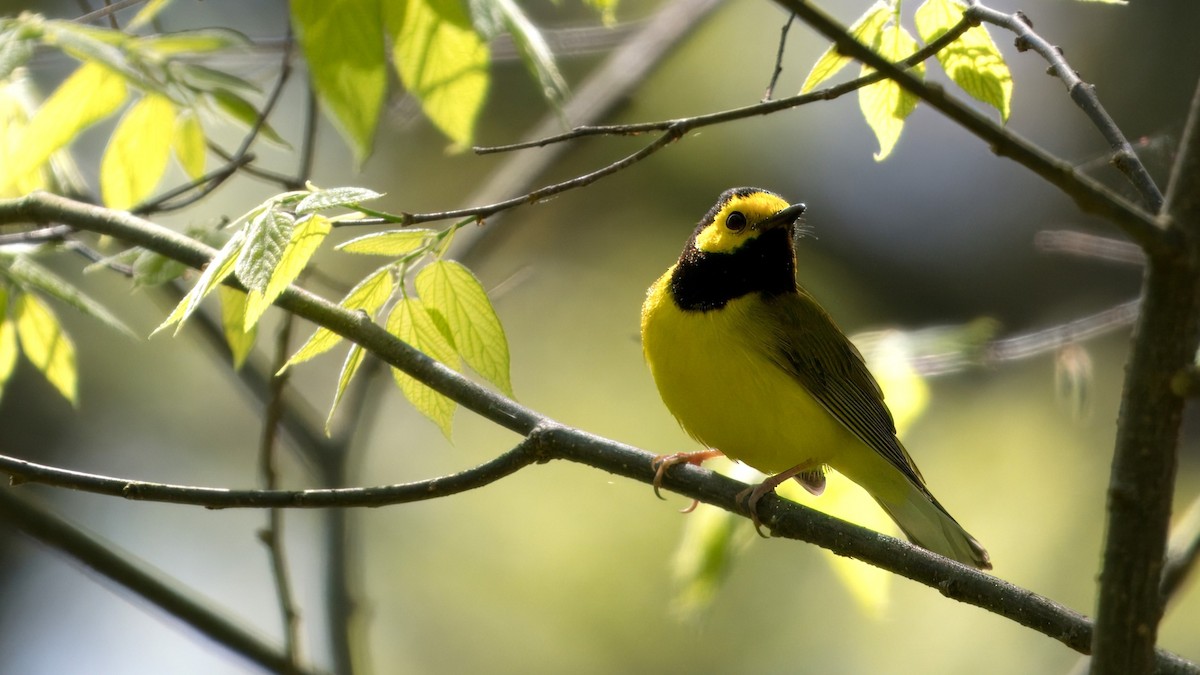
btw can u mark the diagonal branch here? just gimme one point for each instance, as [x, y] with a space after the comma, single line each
[105, 558]
[1089, 195]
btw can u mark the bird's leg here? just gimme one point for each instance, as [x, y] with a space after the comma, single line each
[661, 463]
[752, 495]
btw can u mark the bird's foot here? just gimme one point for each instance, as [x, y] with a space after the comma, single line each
[813, 480]
[661, 463]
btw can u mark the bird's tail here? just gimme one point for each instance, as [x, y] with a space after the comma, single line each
[928, 525]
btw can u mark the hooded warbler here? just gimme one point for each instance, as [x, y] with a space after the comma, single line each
[754, 368]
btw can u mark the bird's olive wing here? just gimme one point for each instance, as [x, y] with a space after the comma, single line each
[807, 344]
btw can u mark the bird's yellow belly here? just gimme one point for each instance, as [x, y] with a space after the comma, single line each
[728, 395]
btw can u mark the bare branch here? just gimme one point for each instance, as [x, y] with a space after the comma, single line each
[1089, 195]
[1084, 95]
[1089, 246]
[783, 33]
[150, 584]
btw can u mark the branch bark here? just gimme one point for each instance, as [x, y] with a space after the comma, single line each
[1142, 482]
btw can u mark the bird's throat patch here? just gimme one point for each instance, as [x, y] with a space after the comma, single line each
[706, 281]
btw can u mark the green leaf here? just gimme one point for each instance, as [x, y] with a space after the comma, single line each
[46, 345]
[214, 273]
[886, 104]
[146, 14]
[189, 144]
[269, 234]
[534, 51]
[392, 243]
[353, 360]
[973, 61]
[201, 41]
[29, 275]
[15, 49]
[210, 80]
[410, 322]
[154, 269]
[8, 341]
[239, 336]
[137, 152]
[306, 238]
[867, 30]
[335, 197]
[89, 95]
[347, 62]
[244, 111]
[450, 290]
[441, 60]
[368, 296]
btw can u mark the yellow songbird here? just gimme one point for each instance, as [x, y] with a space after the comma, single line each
[755, 369]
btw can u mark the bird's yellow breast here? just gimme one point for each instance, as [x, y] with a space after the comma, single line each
[715, 376]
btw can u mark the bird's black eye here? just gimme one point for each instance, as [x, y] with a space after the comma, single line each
[736, 221]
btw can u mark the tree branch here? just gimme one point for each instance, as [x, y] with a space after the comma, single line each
[105, 558]
[1084, 96]
[1142, 483]
[1088, 194]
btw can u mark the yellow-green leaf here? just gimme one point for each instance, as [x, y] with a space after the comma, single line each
[410, 322]
[354, 359]
[188, 144]
[973, 61]
[534, 51]
[238, 335]
[306, 237]
[321, 200]
[441, 60]
[45, 344]
[241, 110]
[214, 273]
[450, 290]
[137, 152]
[89, 95]
[886, 104]
[368, 296]
[146, 14]
[867, 30]
[391, 243]
[192, 41]
[347, 62]
[8, 341]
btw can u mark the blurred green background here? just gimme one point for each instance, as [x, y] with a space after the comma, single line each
[562, 568]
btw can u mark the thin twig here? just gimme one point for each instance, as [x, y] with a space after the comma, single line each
[107, 10]
[1089, 246]
[1089, 195]
[272, 535]
[1084, 95]
[152, 585]
[783, 33]
[671, 130]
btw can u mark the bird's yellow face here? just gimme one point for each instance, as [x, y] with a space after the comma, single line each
[742, 215]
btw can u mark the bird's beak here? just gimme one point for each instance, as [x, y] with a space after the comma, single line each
[783, 218]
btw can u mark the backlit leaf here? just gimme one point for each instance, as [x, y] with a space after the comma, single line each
[334, 197]
[188, 144]
[214, 273]
[238, 335]
[241, 110]
[29, 275]
[137, 152]
[347, 62]
[410, 322]
[151, 268]
[886, 104]
[441, 60]
[392, 243]
[89, 95]
[45, 344]
[8, 341]
[368, 296]
[450, 290]
[354, 359]
[534, 51]
[306, 238]
[867, 30]
[973, 61]
[146, 14]
[269, 233]
[193, 41]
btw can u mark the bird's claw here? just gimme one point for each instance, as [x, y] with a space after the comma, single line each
[750, 498]
[661, 463]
